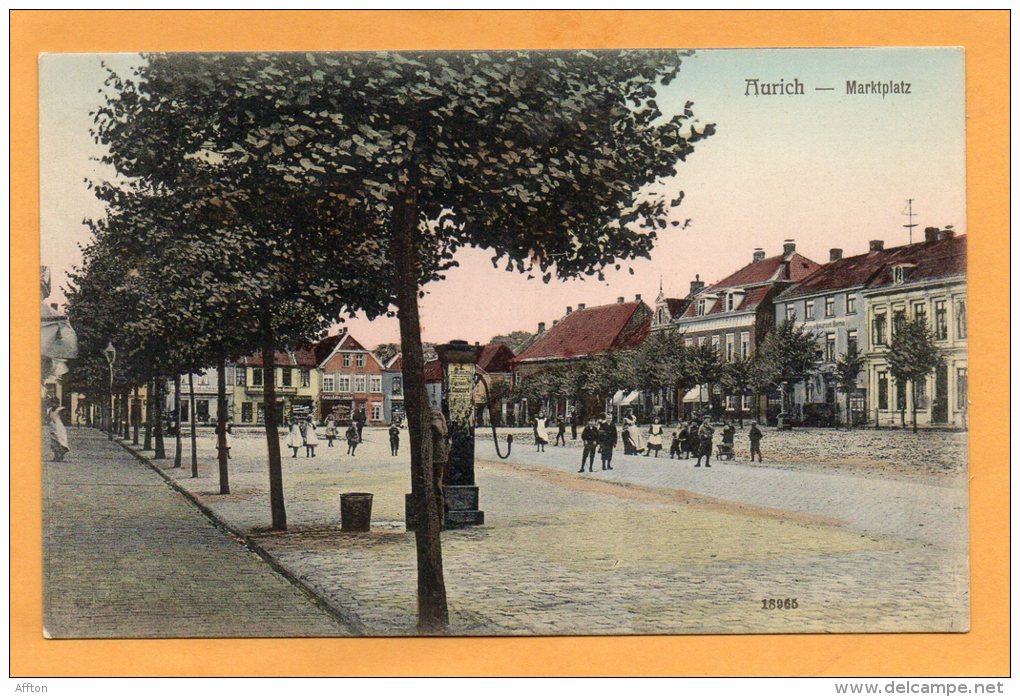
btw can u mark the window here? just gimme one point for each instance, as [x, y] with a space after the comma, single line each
[921, 394]
[878, 329]
[256, 376]
[376, 384]
[202, 409]
[360, 360]
[184, 411]
[360, 383]
[701, 340]
[809, 310]
[901, 395]
[830, 347]
[791, 312]
[348, 360]
[745, 345]
[241, 374]
[328, 383]
[961, 319]
[731, 301]
[899, 318]
[730, 348]
[731, 402]
[941, 328]
[701, 307]
[921, 313]
[830, 306]
[203, 379]
[306, 377]
[688, 342]
[745, 403]
[376, 411]
[716, 342]
[899, 274]
[397, 386]
[961, 389]
[287, 377]
[661, 314]
[343, 383]
[851, 341]
[247, 416]
[883, 391]
[851, 304]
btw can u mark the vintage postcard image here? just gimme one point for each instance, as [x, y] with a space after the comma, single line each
[504, 343]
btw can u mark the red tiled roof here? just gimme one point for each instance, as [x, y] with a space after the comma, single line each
[753, 297]
[590, 331]
[496, 358]
[677, 305]
[770, 269]
[351, 344]
[325, 347]
[301, 358]
[937, 259]
[433, 371]
[396, 363]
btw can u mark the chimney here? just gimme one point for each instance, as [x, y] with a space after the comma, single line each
[619, 300]
[789, 247]
[946, 234]
[637, 298]
[759, 255]
[569, 309]
[541, 327]
[876, 246]
[555, 322]
[835, 254]
[697, 285]
[580, 306]
[931, 234]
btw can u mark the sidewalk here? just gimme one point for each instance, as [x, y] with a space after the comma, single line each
[632, 553]
[124, 555]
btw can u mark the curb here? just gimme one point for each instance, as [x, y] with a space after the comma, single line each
[346, 619]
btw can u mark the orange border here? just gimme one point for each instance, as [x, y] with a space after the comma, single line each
[983, 651]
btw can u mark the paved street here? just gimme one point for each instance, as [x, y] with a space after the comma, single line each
[652, 547]
[124, 555]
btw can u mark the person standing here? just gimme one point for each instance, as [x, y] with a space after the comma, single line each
[693, 444]
[394, 438]
[607, 441]
[654, 438]
[633, 444]
[590, 439]
[573, 424]
[330, 431]
[361, 418]
[352, 438]
[728, 433]
[705, 443]
[561, 431]
[676, 447]
[311, 438]
[58, 434]
[754, 435]
[294, 439]
[541, 433]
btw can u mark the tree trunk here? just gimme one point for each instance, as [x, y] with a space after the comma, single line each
[276, 503]
[126, 410]
[159, 401]
[177, 421]
[433, 615]
[191, 413]
[150, 389]
[913, 402]
[221, 423]
[849, 413]
[135, 417]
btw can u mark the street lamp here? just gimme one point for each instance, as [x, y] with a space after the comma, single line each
[111, 355]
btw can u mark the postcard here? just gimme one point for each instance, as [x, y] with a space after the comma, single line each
[504, 343]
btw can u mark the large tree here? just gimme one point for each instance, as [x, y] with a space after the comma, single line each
[555, 161]
[848, 366]
[913, 355]
[787, 355]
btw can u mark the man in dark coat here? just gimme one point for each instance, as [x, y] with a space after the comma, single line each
[561, 430]
[705, 443]
[755, 437]
[607, 441]
[360, 418]
[590, 437]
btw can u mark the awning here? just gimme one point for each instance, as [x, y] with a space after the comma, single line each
[696, 394]
[621, 399]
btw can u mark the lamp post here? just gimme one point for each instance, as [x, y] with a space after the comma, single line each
[111, 355]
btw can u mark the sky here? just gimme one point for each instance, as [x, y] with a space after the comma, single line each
[824, 168]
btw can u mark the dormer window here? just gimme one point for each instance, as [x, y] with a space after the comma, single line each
[901, 272]
[701, 307]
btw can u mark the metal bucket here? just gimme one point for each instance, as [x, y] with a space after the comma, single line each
[356, 512]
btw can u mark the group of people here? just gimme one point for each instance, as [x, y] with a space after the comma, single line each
[303, 434]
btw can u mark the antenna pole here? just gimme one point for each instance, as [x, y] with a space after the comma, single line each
[910, 221]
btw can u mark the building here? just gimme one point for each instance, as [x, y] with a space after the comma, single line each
[58, 343]
[925, 281]
[496, 364]
[351, 380]
[579, 335]
[297, 385]
[733, 316]
[393, 390]
[206, 397]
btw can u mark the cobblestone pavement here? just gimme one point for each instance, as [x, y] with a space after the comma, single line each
[655, 547]
[124, 555]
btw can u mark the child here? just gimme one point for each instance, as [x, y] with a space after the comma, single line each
[294, 439]
[394, 439]
[676, 447]
[755, 437]
[311, 438]
[330, 432]
[352, 438]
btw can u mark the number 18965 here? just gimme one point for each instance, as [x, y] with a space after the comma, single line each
[779, 604]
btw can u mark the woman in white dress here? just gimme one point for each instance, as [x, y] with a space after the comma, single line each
[58, 435]
[311, 438]
[294, 439]
[654, 438]
[633, 443]
[541, 433]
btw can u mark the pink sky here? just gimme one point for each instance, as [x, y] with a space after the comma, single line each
[826, 169]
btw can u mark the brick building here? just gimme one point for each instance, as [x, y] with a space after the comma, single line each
[351, 379]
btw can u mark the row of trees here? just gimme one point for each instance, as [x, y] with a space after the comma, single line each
[259, 198]
[788, 355]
